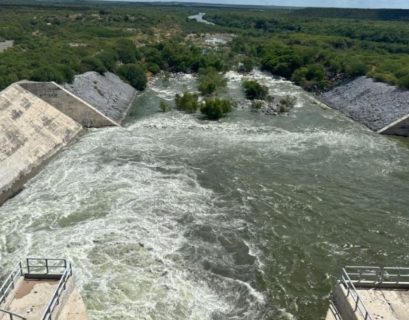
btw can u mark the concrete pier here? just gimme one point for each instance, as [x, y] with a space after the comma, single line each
[371, 293]
[41, 295]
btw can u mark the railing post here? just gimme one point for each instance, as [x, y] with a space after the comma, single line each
[28, 265]
[46, 266]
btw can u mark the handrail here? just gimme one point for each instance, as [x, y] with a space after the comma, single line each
[38, 267]
[57, 294]
[12, 315]
[351, 290]
[32, 264]
[10, 282]
[378, 275]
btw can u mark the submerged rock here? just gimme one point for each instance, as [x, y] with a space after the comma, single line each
[107, 93]
[371, 103]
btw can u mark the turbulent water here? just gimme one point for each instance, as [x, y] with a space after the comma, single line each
[251, 217]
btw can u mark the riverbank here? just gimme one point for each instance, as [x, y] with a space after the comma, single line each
[374, 104]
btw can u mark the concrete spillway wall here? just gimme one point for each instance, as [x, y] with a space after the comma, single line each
[38, 119]
[69, 104]
[31, 131]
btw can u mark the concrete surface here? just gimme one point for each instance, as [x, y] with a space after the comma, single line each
[386, 304]
[30, 299]
[67, 103]
[381, 304]
[399, 127]
[74, 309]
[31, 132]
[374, 104]
[107, 93]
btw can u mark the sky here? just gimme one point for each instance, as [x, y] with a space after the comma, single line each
[396, 4]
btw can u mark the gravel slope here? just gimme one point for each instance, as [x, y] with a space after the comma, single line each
[374, 104]
[108, 93]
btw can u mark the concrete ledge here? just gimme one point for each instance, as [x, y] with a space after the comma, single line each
[69, 104]
[399, 127]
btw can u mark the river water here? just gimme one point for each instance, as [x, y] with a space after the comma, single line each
[251, 217]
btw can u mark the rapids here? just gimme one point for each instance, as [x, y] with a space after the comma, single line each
[250, 217]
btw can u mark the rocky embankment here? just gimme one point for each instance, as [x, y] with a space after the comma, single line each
[374, 104]
[107, 93]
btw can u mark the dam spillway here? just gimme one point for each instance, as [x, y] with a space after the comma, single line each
[36, 121]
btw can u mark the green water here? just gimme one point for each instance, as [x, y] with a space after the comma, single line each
[252, 217]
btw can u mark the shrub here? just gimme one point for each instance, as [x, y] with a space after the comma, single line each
[164, 107]
[216, 108]
[253, 90]
[154, 68]
[310, 76]
[134, 74]
[356, 68]
[287, 103]
[94, 64]
[210, 81]
[188, 102]
[108, 59]
[246, 65]
[404, 82]
[47, 73]
[127, 52]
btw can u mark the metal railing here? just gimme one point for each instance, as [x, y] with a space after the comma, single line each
[38, 268]
[44, 266]
[358, 304]
[378, 276]
[10, 282]
[55, 300]
[12, 315]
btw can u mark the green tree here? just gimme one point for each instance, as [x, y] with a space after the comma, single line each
[216, 108]
[404, 82]
[210, 81]
[188, 102]
[253, 90]
[134, 74]
[127, 52]
[47, 73]
[93, 64]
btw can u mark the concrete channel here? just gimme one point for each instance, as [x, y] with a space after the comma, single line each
[37, 120]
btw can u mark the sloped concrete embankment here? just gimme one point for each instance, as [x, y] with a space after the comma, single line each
[38, 119]
[379, 106]
[31, 132]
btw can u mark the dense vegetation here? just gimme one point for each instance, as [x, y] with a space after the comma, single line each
[210, 81]
[188, 102]
[316, 48]
[216, 108]
[254, 91]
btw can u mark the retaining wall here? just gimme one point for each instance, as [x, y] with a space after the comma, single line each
[31, 132]
[69, 104]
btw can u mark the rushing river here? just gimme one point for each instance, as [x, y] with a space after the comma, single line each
[251, 217]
